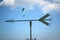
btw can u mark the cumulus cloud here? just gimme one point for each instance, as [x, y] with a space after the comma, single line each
[7, 2]
[46, 5]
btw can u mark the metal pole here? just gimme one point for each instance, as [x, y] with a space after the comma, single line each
[30, 30]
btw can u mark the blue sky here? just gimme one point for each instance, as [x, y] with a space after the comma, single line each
[20, 30]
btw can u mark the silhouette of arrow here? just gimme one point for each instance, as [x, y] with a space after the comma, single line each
[42, 19]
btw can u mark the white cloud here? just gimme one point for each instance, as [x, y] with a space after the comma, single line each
[45, 5]
[7, 2]
[48, 6]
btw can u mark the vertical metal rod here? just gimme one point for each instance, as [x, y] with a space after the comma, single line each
[30, 30]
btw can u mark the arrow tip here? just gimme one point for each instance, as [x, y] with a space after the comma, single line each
[9, 21]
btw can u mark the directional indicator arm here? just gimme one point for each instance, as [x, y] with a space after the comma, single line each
[20, 20]
[43, 18]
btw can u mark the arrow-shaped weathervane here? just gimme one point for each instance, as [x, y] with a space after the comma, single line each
[42, 19]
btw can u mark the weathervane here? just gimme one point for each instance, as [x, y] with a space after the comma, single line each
[42, 19]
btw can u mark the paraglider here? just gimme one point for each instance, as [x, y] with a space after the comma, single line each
[23, 9]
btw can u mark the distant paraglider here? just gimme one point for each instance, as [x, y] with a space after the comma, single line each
[23, 9]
